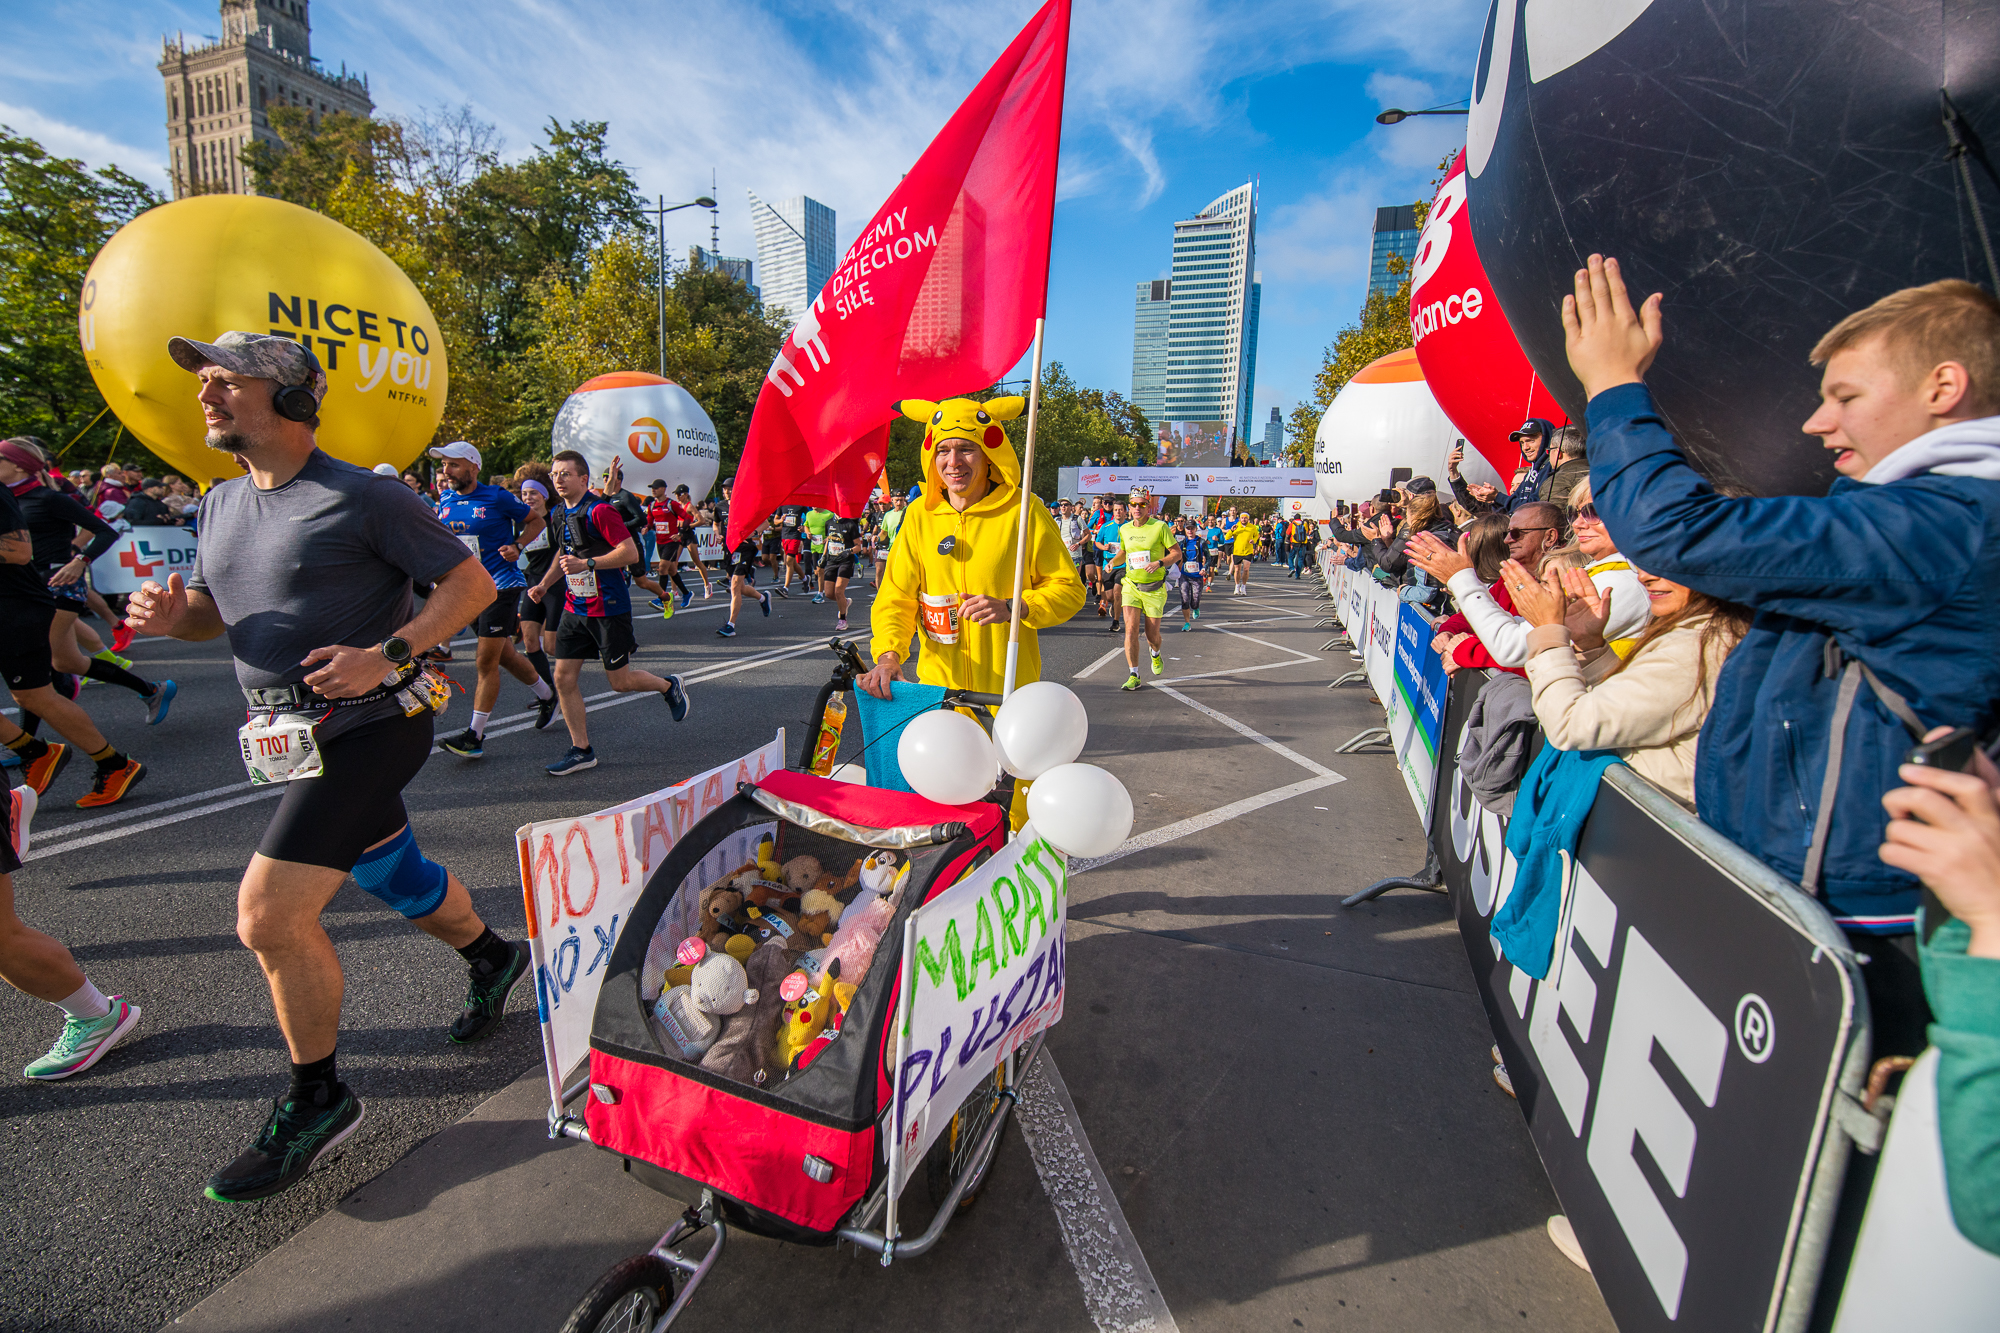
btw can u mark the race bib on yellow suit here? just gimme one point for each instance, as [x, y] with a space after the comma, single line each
[940, 616]
[280, 747]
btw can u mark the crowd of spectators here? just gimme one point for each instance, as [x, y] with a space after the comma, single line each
[1768, 662]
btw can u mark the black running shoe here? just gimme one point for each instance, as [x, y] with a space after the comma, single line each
[297, 1135]
[677, 698]
[466, 745]
[486, 997]
[545, 711]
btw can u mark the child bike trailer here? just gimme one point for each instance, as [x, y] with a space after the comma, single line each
[742, 1045]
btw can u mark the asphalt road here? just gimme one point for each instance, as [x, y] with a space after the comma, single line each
[1290, 1101]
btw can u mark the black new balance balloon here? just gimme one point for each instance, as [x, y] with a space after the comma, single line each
[1769, 166]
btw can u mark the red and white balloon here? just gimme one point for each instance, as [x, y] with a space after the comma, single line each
[1472, 362]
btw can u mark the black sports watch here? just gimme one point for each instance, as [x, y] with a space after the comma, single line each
[590, 562]
[396, 651]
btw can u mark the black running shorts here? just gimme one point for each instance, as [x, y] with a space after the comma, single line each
[502, 616]
[840, 568]
[609, 639]
[24, 644]
[357, 802]
[538, 612]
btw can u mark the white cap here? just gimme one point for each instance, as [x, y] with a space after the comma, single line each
[457, 449]
[386, 470]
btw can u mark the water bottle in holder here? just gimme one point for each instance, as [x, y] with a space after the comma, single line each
[830, 727]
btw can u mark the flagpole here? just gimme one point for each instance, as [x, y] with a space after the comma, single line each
[1021, 519]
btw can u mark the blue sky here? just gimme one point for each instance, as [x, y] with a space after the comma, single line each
[1170, 104]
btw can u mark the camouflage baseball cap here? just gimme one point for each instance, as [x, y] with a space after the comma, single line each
[256, 354]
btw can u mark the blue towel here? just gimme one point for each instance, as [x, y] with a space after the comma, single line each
[1554, 800]
[883, 719]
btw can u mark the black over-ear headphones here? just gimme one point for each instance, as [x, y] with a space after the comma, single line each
[295, 402]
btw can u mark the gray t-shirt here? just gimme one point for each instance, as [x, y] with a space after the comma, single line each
[325, 559]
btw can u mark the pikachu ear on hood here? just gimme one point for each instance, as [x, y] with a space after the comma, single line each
[918, 409]
[1005, 409]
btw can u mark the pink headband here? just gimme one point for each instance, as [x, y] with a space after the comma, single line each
[22, 456]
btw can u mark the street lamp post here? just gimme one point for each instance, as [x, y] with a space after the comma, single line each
[1396, 115]
[661, 212]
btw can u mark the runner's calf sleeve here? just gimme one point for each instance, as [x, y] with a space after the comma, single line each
[401, 876]
[99, 669]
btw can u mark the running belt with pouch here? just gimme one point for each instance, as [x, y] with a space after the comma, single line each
[303, 696]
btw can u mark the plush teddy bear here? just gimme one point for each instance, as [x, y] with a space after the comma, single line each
[686, 1016]
[739, 1052]
[801, 872]
[717, 902]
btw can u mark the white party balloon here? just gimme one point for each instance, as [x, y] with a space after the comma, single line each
[855, 773]
[1081, 809]
[1041, 725]
[946, 758]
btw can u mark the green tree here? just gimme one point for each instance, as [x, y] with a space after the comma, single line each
[1301, 430]
[55, 214]
[315, 156]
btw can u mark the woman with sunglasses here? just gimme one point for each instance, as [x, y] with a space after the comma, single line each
[1611, 573]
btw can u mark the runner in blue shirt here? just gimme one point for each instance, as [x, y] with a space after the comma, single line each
[1114, 566]
[1194, 571]
[493, 523]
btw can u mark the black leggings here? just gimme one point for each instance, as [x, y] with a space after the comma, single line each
[357, 802]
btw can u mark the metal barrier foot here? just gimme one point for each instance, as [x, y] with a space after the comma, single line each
[1430, 879]
[1372, 736]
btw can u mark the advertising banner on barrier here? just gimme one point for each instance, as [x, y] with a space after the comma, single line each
[144, 554]
[1280, 482]
[1678, 1065]
[982, 974]
[579, 879]
[1416, 707]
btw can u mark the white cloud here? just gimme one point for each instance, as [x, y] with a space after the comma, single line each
[96, 150]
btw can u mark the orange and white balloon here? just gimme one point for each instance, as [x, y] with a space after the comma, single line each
[652, 426]
[1386, 418]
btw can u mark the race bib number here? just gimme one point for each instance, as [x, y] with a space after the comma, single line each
[1139, 560]
[582, 585]
[664, 528]
[791, 520]
[471, 544]
[835, 547]
[940, 617]
[540, 543]
[280, 747]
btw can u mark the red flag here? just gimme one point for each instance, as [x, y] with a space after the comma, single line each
[937, 297]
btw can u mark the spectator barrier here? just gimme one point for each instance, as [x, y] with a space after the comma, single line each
[1690, 1068]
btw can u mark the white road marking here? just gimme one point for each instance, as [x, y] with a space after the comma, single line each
[1310, 765]
[1119, 651]
[1118, 1286]
[1140, 842]
[65, 839]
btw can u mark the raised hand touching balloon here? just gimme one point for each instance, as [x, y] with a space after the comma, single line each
[1609, 343]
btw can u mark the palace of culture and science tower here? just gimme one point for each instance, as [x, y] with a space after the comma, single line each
[218, 94]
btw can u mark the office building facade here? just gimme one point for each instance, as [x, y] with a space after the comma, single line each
[1213, 308]
[743, 270]
[1273, 448]
[795, 254]
[220, 94]
[1396, 233]
[1149, 348]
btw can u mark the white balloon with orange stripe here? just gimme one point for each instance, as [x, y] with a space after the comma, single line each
[652, 426]
[1384, 419]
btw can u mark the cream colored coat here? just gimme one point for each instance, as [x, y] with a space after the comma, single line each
[1650, 713]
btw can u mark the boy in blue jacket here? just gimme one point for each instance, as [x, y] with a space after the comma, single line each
[1875, 604]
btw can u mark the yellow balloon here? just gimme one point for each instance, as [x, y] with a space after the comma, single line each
[202, 266]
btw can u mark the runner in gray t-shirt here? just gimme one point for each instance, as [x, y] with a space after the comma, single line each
[306, 565]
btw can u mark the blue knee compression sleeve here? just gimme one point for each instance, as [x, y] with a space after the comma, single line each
[401, 876]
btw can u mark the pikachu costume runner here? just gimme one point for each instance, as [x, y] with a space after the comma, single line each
[946, 554]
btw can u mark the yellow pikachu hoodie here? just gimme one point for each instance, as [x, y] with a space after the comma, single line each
[922, 588]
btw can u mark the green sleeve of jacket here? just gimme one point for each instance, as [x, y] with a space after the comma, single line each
[1965, 998]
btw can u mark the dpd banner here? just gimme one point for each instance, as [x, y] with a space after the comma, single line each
[1679, 1067]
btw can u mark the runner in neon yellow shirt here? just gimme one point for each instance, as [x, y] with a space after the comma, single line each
[1245, 535]
[1149, 547]
[815, 523]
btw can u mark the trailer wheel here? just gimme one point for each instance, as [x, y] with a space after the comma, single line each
[952, 1155]
[628, 1299]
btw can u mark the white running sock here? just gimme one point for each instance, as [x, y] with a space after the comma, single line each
[479, 721]
[89, 1002]
[541, 688]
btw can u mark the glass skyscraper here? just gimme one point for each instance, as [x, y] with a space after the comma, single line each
[1149, 349]
[1212, 324]
[1396, 233]
[795, 254]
